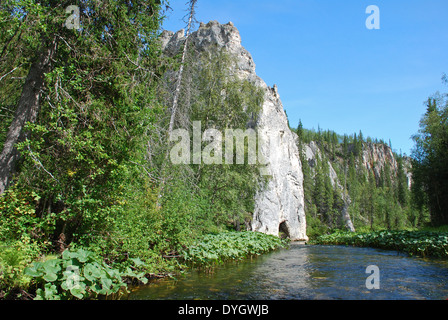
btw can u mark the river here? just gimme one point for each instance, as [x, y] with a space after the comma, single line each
[310, 272]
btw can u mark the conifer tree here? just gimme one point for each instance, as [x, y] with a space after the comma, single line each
[430, 159]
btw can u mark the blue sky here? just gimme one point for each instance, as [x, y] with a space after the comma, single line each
[333, 72]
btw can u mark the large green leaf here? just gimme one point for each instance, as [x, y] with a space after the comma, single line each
[106, 283]
[50, 277]
[51, 266]
[78, 292]
[92, 271]
[34, 270]
[83, 255]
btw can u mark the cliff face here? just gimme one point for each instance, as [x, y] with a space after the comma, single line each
[311, 153]
[280, 205]
[349, 174]
[375, 157]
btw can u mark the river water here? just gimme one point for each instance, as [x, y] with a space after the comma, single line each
[310, 272]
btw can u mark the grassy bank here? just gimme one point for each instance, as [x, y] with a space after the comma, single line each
[424, 243]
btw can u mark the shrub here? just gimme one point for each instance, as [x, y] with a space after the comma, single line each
[421, 243]
[14, 257]
[18, 215]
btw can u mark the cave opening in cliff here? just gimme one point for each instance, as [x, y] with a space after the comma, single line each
[283, 230]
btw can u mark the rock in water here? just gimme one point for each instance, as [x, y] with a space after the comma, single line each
[279, 206]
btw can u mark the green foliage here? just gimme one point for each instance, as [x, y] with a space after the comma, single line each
[19, 218]
[314, 226]
[223, 100]
[421, 243]
[184, 216]
[430, 160]
[377, 198]
[15, 256]
[78, 274]
[213, 249]
[224, 190]
[95, 110]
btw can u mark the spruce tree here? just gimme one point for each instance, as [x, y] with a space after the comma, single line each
[430, 159]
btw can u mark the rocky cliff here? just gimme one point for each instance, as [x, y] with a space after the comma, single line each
[376, 157]
[362, 181]
[311, 153]
[279, 207]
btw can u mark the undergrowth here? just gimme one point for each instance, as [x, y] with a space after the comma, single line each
[215, 249]
[420, 243]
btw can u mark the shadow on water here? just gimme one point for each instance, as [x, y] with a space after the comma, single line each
[310, 272]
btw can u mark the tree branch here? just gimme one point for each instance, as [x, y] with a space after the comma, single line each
[1, 78]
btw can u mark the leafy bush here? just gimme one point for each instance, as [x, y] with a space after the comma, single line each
[18, 215]
[214, 249]
[78, 274]
[421, 243]
[14, 257]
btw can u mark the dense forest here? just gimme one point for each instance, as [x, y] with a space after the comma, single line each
[377, 198]
[86, 115]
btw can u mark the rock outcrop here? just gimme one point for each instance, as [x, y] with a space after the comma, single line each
[280, 205]
[311, 153]
[375, 157]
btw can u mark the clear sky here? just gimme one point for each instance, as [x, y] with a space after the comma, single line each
[333, 72]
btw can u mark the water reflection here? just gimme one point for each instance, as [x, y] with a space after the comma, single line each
[310, 272]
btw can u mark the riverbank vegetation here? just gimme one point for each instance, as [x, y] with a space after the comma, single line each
[418, 243]
[211, 250]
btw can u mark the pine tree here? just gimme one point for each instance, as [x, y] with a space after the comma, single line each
[430, 159]
[355, 145]
[345, 147]
[299, 131]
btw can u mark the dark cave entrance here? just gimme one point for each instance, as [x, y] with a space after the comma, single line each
[283, 231]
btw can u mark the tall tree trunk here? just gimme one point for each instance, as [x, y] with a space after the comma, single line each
[26, 111]
[181, 70]
[192, 3]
